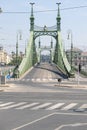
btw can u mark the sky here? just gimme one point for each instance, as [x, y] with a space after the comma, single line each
[73, 20]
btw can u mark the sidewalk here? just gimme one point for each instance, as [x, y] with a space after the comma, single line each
[68, 85]
[73, 83]
[19, 88]
[3, 87]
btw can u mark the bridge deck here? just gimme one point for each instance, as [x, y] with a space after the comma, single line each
[45, 71]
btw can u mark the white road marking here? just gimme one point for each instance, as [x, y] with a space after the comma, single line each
[38, 79]
[69, 106]
[83, 106]
[27, 106]
[44, 117]
[14, 105]
[27, 79]
[50, 79]
[58, 105]
[29, 123]
[44, 79]
[41, 106]
[5, 104]
[32, 79]
[72, 125]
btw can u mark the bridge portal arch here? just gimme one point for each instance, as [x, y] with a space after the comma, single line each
[45, 56]
[59, 57]
[44, 45]
[49, 53]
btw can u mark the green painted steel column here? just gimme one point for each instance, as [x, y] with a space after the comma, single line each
[71, 36]
[39, 51]
[32, 18]
[51, 50]
[0, 10]
[58, 18]
[17, 51]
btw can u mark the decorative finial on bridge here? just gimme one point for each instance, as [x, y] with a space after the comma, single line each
[32, 18]
[58, 18]
[58, 8]
[0, 10]
[32, 8]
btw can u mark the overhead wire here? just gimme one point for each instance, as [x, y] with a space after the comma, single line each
[42, 11]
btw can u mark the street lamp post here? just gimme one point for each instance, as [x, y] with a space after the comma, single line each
[70, 34]
[1, 57]
[0, 10]
[18, 38]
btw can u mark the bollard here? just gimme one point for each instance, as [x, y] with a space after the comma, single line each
[3, 81]
[59, 81]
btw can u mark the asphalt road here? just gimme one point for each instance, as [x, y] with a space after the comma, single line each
[32, 103]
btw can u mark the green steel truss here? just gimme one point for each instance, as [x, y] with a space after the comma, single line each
[50, 49]
[31, 57]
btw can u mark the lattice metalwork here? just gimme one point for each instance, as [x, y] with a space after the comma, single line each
[45, 28]
[41, 33]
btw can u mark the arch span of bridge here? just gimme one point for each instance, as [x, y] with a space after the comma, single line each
[59, 56]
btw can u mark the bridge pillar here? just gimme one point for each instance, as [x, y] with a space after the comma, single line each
[58, 18]
[39, 51]
[52, 55]
[60, 58]
[32, 18]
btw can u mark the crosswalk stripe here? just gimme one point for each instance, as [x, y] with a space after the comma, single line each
[5, 104]
[58, 105]
[14, 105]
[50, 79]
[28, 105]
[40, 79]
[27, 79]
[44, 79]
[32, 79]
[41, 106]
[71, 105]
[83, 106]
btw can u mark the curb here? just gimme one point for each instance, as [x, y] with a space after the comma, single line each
[4, 85]
[1, 90]
[71, 86]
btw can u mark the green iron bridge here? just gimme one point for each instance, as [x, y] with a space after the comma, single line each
[58, 56]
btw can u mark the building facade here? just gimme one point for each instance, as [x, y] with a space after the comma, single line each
[4, 57]
[78, 57]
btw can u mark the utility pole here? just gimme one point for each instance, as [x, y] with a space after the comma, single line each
[58, 18]
[18, 38]
[32, 18]
[70, 33]
[0, 10]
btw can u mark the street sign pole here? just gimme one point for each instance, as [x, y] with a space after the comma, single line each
[78, 71]
[78, 75]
